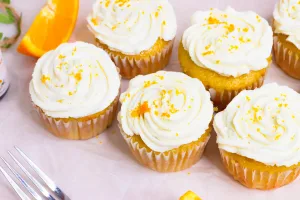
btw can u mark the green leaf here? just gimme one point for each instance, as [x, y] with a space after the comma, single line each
[1, 35]
[5, 1]
[10, 14]
[7, 18]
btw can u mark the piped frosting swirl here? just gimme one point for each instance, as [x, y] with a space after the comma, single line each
[263, 124]
[75, 80]
[287, 20]
[132, 26]
[228, 42]
[167, 110]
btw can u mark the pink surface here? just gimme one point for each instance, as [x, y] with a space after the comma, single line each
[103, 168]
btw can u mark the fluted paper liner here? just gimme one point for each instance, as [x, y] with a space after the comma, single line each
[286, 59]
[263, 179]
[131, 67]
[82, 128]
[171, 161]
[222, 98]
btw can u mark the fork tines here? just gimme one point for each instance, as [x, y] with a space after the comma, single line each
[45, 194]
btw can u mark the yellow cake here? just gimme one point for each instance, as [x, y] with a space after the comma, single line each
[286, 39]
[75, 89]
[165, 119]
[228, 51]
[257, 136]
[140, 39]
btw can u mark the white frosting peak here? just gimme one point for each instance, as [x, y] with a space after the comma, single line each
[228, 42]
[167, 110]
[263, 124]
[75, 80]
[287, 20]
[132, 26]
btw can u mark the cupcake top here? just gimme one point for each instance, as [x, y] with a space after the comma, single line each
[287, 20]
[228, 42]
[167, 110]
[74, 80]
[263, 124]
[132, 26]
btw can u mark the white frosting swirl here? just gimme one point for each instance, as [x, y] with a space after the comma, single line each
[132, 26]
[263, 124]
[74, 80]
[167, 110]
[287, 20]
[228, 42]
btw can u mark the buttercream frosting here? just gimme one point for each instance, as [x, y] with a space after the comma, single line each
[75, 80]
[167, 110]
[228, 42]
[287, 20]
[263, 124]
[132, 26]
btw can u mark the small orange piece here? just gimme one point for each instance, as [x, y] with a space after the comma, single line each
[51, 27]
[189, 195]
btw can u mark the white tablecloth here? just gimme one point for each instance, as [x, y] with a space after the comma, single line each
[103, 168]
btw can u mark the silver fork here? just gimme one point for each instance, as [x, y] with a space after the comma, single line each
[51, 185]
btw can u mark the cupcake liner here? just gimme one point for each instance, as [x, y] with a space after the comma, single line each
[222, 98]
[81, 128]
[131, 67]
[170, 161]
[259, 179]
[287, 59]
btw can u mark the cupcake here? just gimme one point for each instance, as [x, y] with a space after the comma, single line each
[137, 34]
[75, 89]
[165, 119]
[228, 51]
[286, 24]
[4, 82]
[258, 135]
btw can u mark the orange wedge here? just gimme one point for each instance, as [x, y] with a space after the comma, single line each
[51, 27]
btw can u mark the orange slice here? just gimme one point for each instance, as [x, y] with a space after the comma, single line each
[51, 27]
[189, 195]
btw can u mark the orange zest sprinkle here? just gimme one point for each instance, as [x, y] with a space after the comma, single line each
[107, 2]
[149, 83]
[95, 21]
[207, 53]
[60, 100]
[165, 114]
[45, 78]
[114, 27]
[173, 109]
[217, 61]
[213, 20]
[164, 23]
[141, 109]
[78, 76]
[61, 56]
[178, 92]
[207, 47]
[230, 28]
[246, 29]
